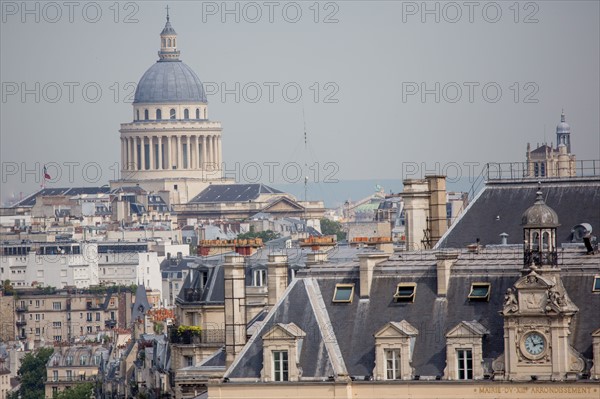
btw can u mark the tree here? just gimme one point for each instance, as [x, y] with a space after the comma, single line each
[79, 391]
[266, 235]
[330, 227]
[7, 287]
[33, 374]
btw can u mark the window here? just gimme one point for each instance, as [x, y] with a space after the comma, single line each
[465, 364]
[112, 315]
[37, 303]
[83, 360]
[280, 366]
[69, 375]
[186, 114]
[480, 292]
[596, 287]
[37, 317]
[88, 316]
[137, 114]
[158, 114]
[56, 305]
[89, 329]
[54, 391]
[197, 113]
[392, 364]
[405, 292]
[56, 324]
[58, 338]
[69, 360]
[55, 375]
[97, 316]
[172, 113]
[343, 293]
[259, 276]
[146, 116]
[188, 361]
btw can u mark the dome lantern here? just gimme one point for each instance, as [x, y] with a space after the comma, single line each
[539, 223]
[168, 42]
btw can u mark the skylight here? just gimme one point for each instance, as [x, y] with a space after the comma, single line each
[405, 292]
[343, 293]
[480, 292]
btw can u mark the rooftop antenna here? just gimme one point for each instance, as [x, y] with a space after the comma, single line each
[305, 152]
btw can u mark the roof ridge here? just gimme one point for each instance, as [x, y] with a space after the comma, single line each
[315, 299]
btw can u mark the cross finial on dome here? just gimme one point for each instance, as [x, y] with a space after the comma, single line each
[167, 13]
[562, 115]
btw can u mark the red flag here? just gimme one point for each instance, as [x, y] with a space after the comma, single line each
[46, 175]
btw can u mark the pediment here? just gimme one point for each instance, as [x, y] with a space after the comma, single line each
[283, 204]
[395, 329]
[534, 281]
[596, 333]
[467, 329]
[284, 331]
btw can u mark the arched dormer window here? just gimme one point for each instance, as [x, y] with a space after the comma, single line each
[158, 114]
[197, 113]
[146, 116]
[172, 113]
[186, 114]
[137, 114]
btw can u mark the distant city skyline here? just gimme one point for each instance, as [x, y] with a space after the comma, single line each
[383, 85]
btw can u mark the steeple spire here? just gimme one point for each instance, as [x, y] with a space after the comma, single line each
[168, 42]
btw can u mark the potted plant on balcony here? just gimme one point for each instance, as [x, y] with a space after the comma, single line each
[189, 334]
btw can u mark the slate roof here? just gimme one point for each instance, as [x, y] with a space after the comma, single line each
[350, 327]
[141, 304]
[233, 193]
[499, 206]
[29, 201]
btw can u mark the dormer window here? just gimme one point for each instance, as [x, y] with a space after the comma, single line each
[197, 113]
[343, 293]
[405, 292]
[280, 366]
[158, 114]
[596, 286]
[186, 114]
[480, 292]
[172, 113]
[146, 116]
[259, 277]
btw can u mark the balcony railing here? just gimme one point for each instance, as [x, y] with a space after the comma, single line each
[22, 308]
[525, 170]
[212, 336]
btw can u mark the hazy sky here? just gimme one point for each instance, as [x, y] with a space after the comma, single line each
[362, 67]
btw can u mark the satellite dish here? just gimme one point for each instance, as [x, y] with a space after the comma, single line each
[580, 231]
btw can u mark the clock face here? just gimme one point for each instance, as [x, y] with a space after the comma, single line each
[535, 343]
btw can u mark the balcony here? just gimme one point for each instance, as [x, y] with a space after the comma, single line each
[22, 308]
[21, 322]
[206, 337]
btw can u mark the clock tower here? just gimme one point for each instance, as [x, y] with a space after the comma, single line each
[537, 310]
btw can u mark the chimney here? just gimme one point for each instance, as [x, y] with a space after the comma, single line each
[504, 237]
[416, 206]
[316, 258]
[438, 218]
[367, 262]
[444, 262]
[235, 306]
[277, 277]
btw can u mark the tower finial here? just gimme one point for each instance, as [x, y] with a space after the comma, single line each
[167, 13]
[562, 115]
